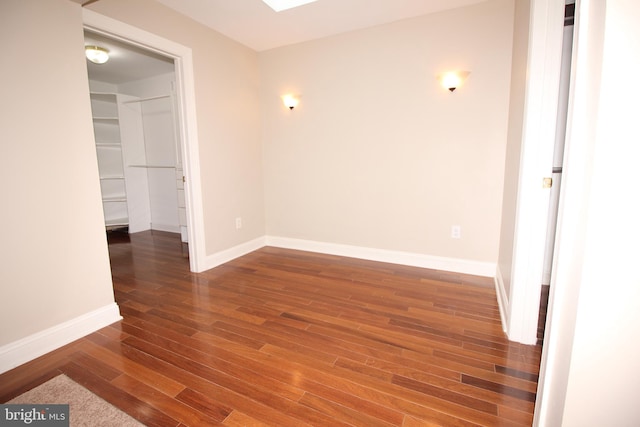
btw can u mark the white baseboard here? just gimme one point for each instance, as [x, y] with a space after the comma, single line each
[503, 301]
[170, 228]
[476, 268]
[34, 346]
[227, 255]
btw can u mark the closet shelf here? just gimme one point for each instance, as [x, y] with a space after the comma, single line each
[151, 98]
[104, 95]
[153, 166]
[114, 199]
[135, 136]
[108, 140]
[113, 222]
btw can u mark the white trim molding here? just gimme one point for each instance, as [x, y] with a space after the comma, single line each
[186, 100]
[227, 255]
[169, 228]
[38, 344]
[503, 301]
[33, 346]
[476, 268]
[455, 265]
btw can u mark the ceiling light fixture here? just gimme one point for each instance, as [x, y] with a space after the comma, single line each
[452, 79]
[96, 54]
[280, 5]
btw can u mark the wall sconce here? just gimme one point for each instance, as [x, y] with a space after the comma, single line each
[291, 101]
[96, 54]
[453, 79]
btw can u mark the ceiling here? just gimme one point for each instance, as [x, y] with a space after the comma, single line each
[126, 62]
[256, 25]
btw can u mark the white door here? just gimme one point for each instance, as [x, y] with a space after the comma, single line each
[558, 154]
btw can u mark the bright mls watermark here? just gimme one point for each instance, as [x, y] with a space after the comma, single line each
[34, 415]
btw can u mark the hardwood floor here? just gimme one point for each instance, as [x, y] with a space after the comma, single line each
[288, 338]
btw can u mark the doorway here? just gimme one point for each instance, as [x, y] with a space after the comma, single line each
[138, 146]
[185, 113]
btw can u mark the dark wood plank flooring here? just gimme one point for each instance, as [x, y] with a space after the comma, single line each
[288, 338]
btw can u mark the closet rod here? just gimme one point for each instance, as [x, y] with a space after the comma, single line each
[151, 98]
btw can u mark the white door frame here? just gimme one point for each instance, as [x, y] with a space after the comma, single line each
[188, 129]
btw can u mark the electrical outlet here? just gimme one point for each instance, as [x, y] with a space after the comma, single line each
[238, 223]
[455, 232]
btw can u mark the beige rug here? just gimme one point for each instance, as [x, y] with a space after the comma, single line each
[85, 408]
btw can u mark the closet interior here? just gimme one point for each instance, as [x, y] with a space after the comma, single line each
[137, 140]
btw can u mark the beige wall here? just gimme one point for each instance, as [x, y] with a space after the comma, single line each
[55, 264]
[228, 116]
[377, 154]
[514, 139]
